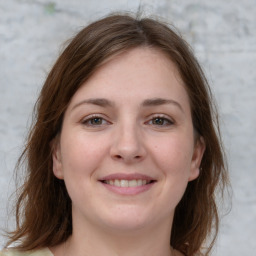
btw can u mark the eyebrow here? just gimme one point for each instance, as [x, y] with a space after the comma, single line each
[97, 101]
[159, 102]
[102, 102]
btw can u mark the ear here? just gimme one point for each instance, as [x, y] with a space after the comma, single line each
[197, 158]
[56, 158]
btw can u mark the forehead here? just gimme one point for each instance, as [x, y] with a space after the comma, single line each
[136, 73]
[139, 60]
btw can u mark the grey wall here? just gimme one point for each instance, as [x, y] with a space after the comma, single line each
[223, 35]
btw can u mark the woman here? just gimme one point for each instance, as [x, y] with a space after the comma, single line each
[124, 157]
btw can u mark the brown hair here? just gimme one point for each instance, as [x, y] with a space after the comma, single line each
[43, 209]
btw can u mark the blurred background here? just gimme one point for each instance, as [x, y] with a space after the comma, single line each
[223, 36]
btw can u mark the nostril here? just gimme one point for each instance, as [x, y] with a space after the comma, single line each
[120, 157]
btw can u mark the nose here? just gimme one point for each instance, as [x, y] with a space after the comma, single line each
[127, 145]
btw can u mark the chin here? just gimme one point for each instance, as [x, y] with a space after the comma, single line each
[128, 220]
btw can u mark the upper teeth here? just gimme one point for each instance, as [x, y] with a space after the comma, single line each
[126, 183]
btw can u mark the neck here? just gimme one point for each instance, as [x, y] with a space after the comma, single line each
[98, 241]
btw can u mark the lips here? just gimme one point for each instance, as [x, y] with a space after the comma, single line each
[127, 184]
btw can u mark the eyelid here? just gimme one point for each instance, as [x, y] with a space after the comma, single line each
[92, 116]
[162, 116]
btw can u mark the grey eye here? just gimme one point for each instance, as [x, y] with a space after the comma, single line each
[161, 121]
[96, 121]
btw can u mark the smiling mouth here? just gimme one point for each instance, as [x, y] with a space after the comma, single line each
[127, 183]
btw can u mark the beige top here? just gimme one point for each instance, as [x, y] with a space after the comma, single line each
[13, 252]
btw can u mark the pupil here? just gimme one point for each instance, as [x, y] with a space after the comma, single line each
[158, 121]
[96, 120]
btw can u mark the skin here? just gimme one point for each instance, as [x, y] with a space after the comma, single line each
[129, 132]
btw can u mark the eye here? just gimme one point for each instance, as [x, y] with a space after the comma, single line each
[160, 121]
[94, 121]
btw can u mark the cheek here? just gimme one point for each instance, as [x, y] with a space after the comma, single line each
[81, 154]
[172, 158]
[173, 155]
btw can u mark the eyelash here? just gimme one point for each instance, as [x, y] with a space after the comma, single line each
[94, 117]
[164, 121]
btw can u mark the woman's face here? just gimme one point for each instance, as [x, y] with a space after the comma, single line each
[127, 150]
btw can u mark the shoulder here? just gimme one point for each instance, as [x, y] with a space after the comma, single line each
[14, 252]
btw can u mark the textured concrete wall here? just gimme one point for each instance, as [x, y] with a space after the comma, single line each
[223, 34]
